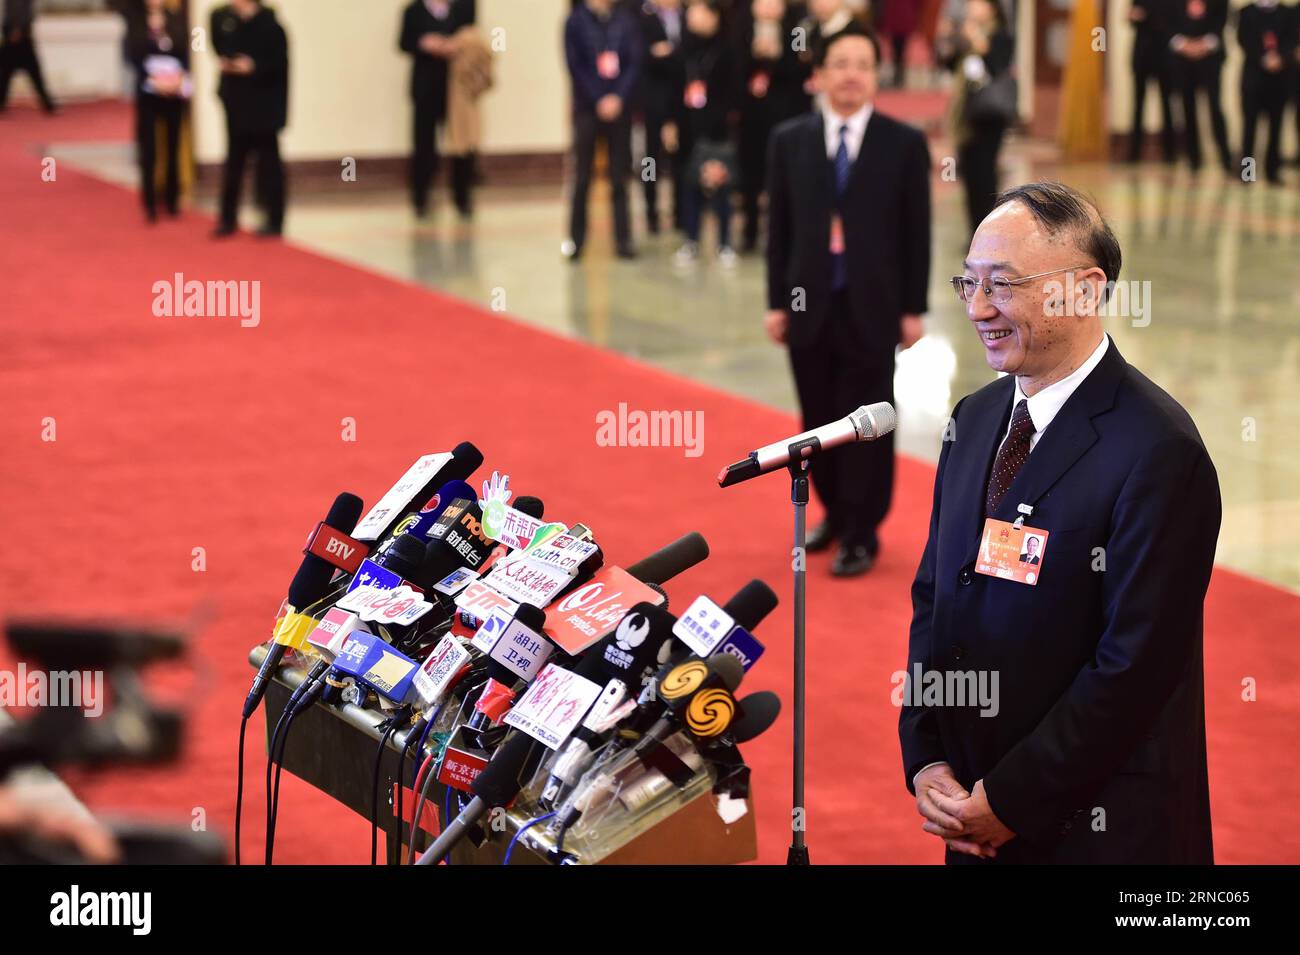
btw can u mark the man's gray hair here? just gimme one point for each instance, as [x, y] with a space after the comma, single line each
[1062, 210]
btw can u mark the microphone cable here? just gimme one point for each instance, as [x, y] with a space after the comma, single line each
[239, 784]
[522, 829]
[374, 791]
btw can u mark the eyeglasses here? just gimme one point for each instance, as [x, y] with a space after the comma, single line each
[998, 291]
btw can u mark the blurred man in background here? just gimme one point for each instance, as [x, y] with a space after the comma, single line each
[603, 47]
[1152, 20]
[1197, 66]
[773, 81]
[428, 28]
[1267, 38]
[254, 58]
[17, 52]
[660, 99]
[848, 271]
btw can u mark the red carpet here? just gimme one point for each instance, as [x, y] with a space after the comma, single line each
[177, 433]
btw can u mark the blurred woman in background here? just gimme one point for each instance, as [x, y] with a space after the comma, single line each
[156, 46]
[980, 52]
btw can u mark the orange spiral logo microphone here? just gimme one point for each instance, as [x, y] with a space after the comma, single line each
[683, 680]
[710, 712]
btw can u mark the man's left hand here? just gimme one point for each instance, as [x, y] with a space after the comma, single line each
[979, 824]
[910, 330]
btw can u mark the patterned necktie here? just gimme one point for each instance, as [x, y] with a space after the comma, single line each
[839, 270]
[1013, 453]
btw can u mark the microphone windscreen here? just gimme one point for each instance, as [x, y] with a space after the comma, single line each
[532, 506]
[670, 560]
[465, 460]
[405, 556]
[507, 771]
[875, 420]
[758, 711]
[727, 670]
[312, 580]
[532, 617]
[751, 604]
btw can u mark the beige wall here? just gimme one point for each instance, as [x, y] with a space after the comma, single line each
[348, 80]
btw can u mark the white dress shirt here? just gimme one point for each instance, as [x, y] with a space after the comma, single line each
[1044, 405]
[857, 123]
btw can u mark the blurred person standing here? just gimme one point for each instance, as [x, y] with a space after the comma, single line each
[603, 47]
[659, 97]
[18, 52]
[848, 273]
[710, 98]
[254, 59]
[1152, 28]
[773, 80]
[157, 46]
[428, 36]
[1267, 40]
[980, 54]
[1197, 66]
[897, 23]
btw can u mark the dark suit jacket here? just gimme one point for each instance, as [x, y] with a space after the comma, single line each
[662, 79]
[429, 72]
[1212, 21]
[258, 102]
[1101, 696]
[886, 214]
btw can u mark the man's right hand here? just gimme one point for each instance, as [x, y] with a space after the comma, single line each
[777, 323]
[939, 778]
[609, 106]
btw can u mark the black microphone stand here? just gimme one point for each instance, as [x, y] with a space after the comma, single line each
[798, 466]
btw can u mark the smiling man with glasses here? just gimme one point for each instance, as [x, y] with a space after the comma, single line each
[1096, 752]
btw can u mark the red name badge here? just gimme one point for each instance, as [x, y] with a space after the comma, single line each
[1270, 40]
[759, 84]
[1011, 552]
[1196, 9]
[607, 65]
[837, 235]
[697, 94]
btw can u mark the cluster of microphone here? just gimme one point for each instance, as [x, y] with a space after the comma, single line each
[526, 671]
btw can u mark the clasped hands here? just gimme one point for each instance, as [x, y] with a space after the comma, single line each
[963, 820]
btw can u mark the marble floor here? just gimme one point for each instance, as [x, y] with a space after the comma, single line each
[1216, 261]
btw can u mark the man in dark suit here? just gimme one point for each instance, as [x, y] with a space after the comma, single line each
[1096, 752]
[1197, 64]
[603, 48]
[848, 266]
[659, 96]
[427, 30]
[1152, 21]
[1030, 556]
[18, 52]
[254, 89]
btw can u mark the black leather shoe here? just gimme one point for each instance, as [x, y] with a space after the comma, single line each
[626, 251]
[819, 538]
[223, 231]
[852, 560]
